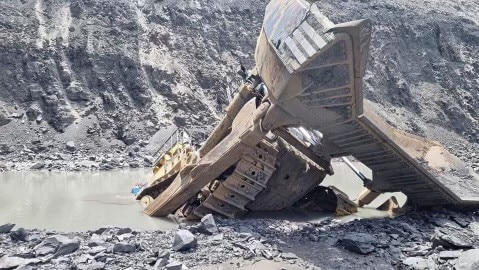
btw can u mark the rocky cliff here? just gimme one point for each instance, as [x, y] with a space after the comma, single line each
[105, 76]
[423, 72]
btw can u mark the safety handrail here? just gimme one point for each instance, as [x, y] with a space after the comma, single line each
[179, 135]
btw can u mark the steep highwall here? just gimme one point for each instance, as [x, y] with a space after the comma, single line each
[108, 74]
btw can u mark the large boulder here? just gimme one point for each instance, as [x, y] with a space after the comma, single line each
[58, 245]
[208, 225]
[184, 240]
[123, 248]
[361, 243]
[20, 235]
[7, 262]
[452, 240]
[6, 228]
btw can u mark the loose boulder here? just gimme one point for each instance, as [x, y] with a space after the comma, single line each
[451, 240]
[123, 248]
[6, 228]
[71, 146]
[175, 266]
[361, 243]
[7, 262]
[449, 254]
[20, 235]
[184, 240]
[123, 231]
[58, 245]
[37, 165]
[208, 225]
[163, 258]
[289, 256]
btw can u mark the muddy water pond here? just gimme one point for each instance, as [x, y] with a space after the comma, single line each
[74, 201]
[80, 201]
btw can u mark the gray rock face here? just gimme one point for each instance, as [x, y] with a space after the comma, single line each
[57, 245]
[125, 82]
[361, 243]
[208, 225]
[6, 228]
[469, 260]
[184, 240]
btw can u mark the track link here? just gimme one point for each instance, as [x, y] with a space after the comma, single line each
[249, 178]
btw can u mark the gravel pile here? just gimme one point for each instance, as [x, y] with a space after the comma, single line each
[420, 240]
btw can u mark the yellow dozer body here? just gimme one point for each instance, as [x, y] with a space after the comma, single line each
[299, 107]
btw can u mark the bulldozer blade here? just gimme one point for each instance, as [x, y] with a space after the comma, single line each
[313, 70]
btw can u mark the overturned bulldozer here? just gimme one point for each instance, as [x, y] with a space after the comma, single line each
[299, 107]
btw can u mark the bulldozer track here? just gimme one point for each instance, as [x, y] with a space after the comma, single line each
[249, 178]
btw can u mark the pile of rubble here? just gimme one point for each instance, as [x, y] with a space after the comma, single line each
[420, 240]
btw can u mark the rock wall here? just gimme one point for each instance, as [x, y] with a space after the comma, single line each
[106, 74]
[109, 74]
[423, 72]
